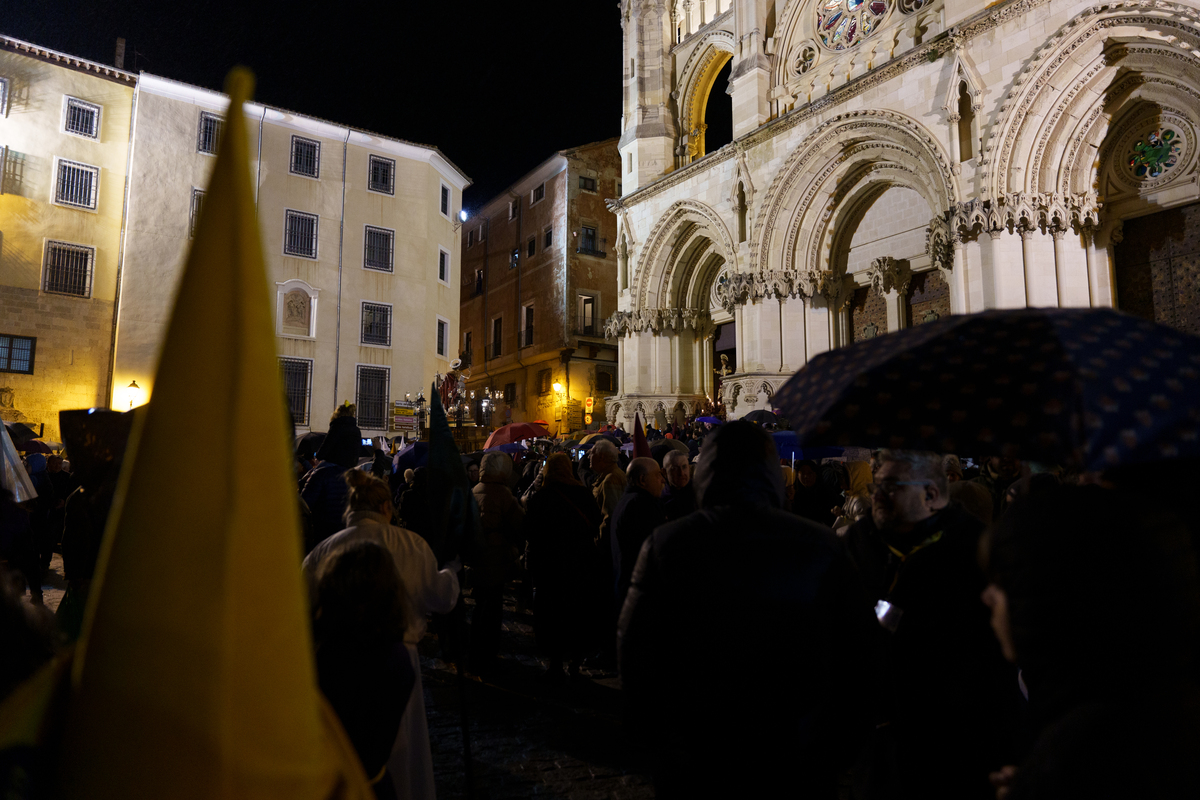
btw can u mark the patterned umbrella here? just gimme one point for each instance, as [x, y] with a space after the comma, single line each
[1093, 387]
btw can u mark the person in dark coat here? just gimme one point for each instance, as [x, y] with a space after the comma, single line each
[494, 560]
[39, 513]
[679, 496]
[18, 549]
[951, 700]
[637, 514]
[343, 443]
[744, 568]
[1095, 597]
[813, 499]
[363, 667]
[415, 513]
[325, 493]
[561, 524]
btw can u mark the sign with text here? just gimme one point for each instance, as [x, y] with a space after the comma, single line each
[589, 404]
[405, 418]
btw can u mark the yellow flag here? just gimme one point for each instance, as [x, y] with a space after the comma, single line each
[194, 675]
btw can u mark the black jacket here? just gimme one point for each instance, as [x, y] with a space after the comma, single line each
[678, 503]
[744, 576]
[637, 514]
[325, 491]
[949, 694]
[342, 444]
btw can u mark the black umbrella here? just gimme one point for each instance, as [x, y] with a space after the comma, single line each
[309, 443]
[1093, 387]
[763, 417]
[20, 433]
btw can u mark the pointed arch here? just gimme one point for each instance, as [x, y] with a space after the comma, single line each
[696, 81]
[684, 225]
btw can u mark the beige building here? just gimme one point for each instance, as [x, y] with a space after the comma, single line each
[360, 234]
[892, 162]
[104, 179]
[64, 143]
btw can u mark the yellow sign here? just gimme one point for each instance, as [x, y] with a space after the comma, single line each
[588, 404]
[405, 412]
[587, 419]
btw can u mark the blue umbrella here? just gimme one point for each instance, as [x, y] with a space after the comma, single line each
[1092, 387]
[788, 445]
[713, 420]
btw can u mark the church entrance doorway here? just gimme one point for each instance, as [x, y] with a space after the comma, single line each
[724, 347]
[1158, 268]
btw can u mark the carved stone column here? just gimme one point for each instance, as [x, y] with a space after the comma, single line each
[891, 279]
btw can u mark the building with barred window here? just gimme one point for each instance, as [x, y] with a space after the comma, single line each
[105, 179]
[803, 174]
[538, 275]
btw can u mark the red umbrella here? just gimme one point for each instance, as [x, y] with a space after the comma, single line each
[541, 422]
[515, 433]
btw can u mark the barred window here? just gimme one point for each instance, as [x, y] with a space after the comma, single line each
[445, 202]
[81, 119]
[76, 184]
[208, 139]
[443, 266]
[16, 353]
[587, 184]
[297, 383]
[378, 248]
[381, 175]
[68, 269]
[300, 234]
[197, 203]
[543, 379]
[371, 397]
[443, 330]
[606, 380]
[376, 324]
[539, 192]
[306, 157]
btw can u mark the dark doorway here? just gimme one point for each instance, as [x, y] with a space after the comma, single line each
[724, 344]
[718, 112]
[1158, 268]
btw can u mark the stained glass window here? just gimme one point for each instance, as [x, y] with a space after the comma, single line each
[844, 23]
[1154, 153]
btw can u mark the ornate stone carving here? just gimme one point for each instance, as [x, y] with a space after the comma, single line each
[657, 320]
[889, 275]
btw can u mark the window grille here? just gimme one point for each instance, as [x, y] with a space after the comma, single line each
[68, 269]
[306, 157]
[443, 266]
[77, 184]
[442, 330]
[543, 379]
[377, 324]
[297, 383]
[588, 239]
[371, 397]
[510, 392]
[548, 239]
[539, 192]
[445, 204]
[82, 119]
[300, 234]
[606, 381]
[209, 137]
[587, 184]
[381, 175]
[16, 354]
[378, 248]
[197, 203]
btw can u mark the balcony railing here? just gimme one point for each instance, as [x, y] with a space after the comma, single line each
[590, 330]
[591, 249]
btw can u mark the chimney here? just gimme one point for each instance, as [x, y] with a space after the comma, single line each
[119, 58]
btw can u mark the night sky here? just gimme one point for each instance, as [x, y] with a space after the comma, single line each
[497, 87]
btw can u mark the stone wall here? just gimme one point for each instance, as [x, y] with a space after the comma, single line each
[70, 368]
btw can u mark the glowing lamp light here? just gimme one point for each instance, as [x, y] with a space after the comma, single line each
[557, 387]
[462, 215]
[134, 392]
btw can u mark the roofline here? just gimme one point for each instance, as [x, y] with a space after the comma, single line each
[74, 62]
[542, 171]
[218, 101]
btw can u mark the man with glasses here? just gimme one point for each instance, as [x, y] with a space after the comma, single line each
[948, 691]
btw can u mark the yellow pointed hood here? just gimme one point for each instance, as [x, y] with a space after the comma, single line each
[194, 676]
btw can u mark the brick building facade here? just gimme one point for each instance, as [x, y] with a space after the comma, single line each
[539, 275]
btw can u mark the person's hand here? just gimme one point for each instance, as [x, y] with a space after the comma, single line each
[1002, 780]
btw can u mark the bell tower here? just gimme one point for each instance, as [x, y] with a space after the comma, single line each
[648, 126]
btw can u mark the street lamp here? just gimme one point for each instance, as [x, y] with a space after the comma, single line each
[132, 389]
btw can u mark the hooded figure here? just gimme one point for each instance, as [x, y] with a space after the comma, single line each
[742, 563]
[343, 443]
[494, 561]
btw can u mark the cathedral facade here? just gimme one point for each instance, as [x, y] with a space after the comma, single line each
[876, 164]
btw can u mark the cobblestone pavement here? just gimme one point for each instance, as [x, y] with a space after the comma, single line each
[528, 738]
[54, 585]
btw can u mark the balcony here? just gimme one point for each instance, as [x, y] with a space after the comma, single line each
[594, 331]
[591, 249]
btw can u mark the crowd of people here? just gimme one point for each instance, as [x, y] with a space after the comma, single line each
[918, 625]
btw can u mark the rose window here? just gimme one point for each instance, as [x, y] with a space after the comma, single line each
[844, 23]
[1154, 153]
